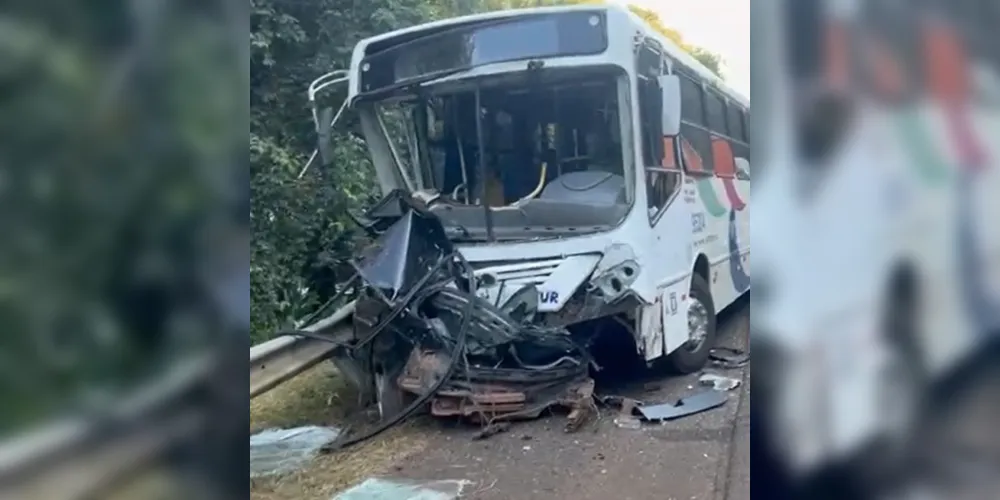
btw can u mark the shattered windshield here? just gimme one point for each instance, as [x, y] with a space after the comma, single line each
[542, 156]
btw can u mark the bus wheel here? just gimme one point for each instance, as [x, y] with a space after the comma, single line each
[702, 323]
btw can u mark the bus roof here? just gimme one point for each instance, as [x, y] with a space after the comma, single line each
[614, 10]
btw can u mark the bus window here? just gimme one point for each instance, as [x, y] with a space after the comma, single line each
[735, 121]
[661, 182]
[697, 155]
[715, 109]
[745, 119]
[693, 109]
[649, 64]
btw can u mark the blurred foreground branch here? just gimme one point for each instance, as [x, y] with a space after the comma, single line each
[124, 202]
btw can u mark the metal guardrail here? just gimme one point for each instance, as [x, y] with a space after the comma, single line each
[277, 361]
[71, 459]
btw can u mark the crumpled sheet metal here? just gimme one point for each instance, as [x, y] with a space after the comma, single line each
[494, 401]
[687, 407]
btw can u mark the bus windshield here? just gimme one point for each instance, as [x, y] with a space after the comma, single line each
[547, 158]
[469, 46]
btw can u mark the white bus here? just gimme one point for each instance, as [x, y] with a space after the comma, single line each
[877, 215]
[576, 150]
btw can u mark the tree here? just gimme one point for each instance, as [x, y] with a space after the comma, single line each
[710, 60]
[303, 239]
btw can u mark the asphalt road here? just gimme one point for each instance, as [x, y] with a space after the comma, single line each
[706, 457]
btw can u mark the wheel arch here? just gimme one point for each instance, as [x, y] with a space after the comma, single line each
[702, 267]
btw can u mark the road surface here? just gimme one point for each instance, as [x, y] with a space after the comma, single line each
[706, 457]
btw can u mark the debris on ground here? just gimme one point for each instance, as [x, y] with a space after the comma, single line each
[491, 430]
[383, 489]
[720, 383]
[687, 407]
[584, 409]
[278, 452]
[626, 418]
[633, 413]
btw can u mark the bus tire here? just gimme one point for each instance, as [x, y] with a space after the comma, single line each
[693, 356]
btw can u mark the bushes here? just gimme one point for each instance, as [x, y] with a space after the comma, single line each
[302, 237]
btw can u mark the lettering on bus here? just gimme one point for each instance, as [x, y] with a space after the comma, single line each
[548, 298]
[707, 240]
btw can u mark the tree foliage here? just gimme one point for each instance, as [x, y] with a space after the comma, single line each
[302, 235]
[709, 59]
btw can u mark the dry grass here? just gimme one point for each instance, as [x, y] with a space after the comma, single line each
[318, 397]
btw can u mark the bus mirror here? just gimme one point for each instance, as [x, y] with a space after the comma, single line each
[324, 118]
[670, 88]
[324, 129]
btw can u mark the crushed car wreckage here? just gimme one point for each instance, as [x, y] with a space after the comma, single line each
[424, 334]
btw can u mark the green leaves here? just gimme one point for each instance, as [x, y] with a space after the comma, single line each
[303, 238]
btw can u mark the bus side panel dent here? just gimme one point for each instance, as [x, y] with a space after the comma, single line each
[676, 302]
[664, 324]
[616, 273]
[652, 331]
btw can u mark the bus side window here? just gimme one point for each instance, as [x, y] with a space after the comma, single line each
[715, 109]
[742, 150]
[649, 64]
[661, 171]
[692, 105]
[745, 118]
[733, 114]
[697, 155]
